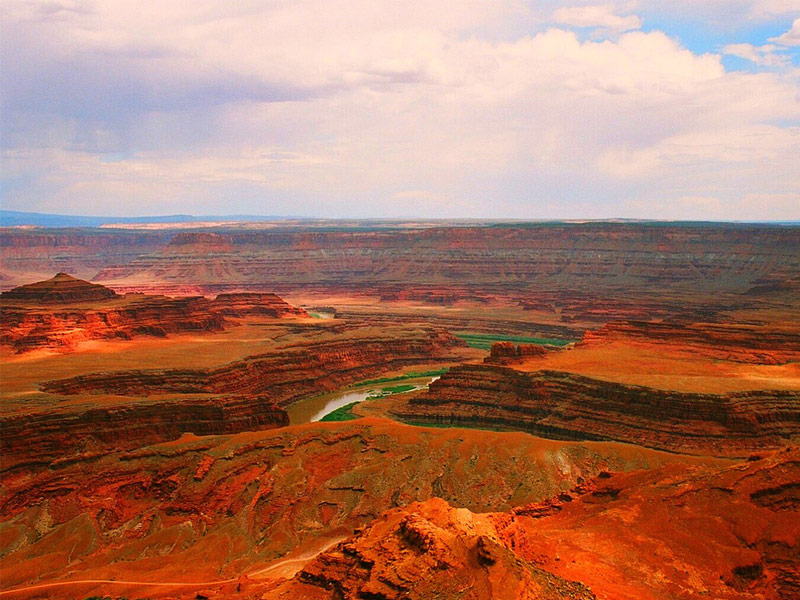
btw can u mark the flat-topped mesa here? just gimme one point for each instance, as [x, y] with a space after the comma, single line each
[245, 304]
[199, 242]
[46, 436]
[566, 406]
[61, 312]
[61, 289]
[764, 344]
[505, 353]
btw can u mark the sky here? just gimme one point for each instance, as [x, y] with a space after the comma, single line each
[688, 109]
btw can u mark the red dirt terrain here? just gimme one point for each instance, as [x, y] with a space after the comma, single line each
[146, 450]
[671, 532]
[202, 509]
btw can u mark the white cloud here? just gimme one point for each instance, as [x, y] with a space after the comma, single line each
[750, 146]
[603, 16]
[764, 56]
[791, 37]
[368, 108]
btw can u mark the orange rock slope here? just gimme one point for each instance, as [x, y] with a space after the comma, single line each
[259, 504]
[669, 533]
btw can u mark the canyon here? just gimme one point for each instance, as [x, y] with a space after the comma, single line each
[614, 411]
[584, 271]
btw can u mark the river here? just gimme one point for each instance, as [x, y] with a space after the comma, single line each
[314, 408]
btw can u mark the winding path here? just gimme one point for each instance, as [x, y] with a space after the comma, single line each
[302, 559]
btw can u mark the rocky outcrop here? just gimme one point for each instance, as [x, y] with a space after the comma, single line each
[427, 550]
[285, 375]
[562, 405]
[740, 342]
[61, 312]
[252, 304]
[673, 532]
[44, 436]
[505, 353]
[60, 289]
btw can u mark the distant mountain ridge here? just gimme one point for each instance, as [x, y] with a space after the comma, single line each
[14, 218]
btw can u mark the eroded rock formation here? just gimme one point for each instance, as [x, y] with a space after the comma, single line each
[567, 406]
[60, 434]
[61, 312]
[285, 375]
[673, 532]
[428, 550]
[60, 289]
[503, 353]
[218, 507]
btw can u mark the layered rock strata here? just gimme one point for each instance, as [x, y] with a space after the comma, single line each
[249, 304]
[61, 312]
[740, 342]
[486, 259]
[567, 406]
[285, 375]
[44, 436]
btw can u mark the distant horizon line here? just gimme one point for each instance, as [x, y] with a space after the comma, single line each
[15, 218]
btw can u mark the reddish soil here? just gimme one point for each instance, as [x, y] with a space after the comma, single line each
[671, 532]
[202, 509]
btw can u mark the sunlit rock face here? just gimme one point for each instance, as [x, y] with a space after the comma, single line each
[61, 312]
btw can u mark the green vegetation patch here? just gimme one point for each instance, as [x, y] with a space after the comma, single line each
[409, 375]
[343, 413]
[484, 341]
[397, 389]
[457, 425]
[388, 391]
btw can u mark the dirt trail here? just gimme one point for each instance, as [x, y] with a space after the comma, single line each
[43, 586]
[276, 569]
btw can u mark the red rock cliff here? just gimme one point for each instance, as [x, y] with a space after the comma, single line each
[44, 436]
[285, 375]
[568, 406]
